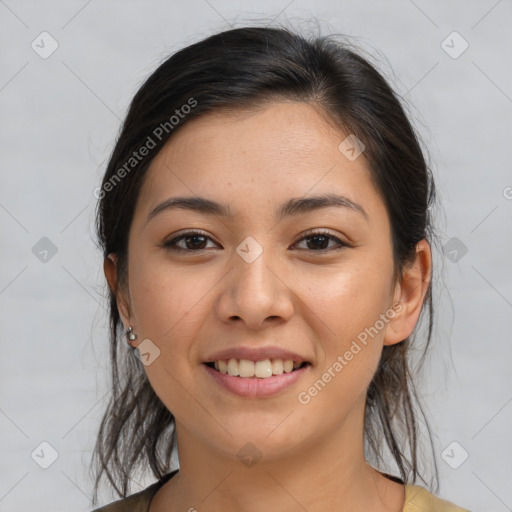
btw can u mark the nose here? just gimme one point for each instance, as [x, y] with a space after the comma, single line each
[256, 294]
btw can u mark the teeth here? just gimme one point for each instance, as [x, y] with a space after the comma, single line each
[233, 367]
[246, 368]
[261, 369]
[277, 366]
[223, 367]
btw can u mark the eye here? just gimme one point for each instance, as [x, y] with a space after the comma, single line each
[195, 241]
[190, 241]
[318, 241]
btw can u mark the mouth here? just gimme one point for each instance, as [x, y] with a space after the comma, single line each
[264, 369]
[264, 378]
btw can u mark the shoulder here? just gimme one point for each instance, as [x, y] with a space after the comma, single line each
[418, 499]
[138, 502]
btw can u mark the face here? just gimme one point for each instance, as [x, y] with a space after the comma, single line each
[266, 268]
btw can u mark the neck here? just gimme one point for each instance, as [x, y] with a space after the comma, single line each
[326, 474]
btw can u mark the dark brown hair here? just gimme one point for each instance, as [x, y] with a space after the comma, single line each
[241, 69]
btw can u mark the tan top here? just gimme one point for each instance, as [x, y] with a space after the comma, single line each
[417, 499]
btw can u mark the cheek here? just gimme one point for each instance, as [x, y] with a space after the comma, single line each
[349, 303]
[166, 299]
[170, 305]
[347, 300]
[350, 354]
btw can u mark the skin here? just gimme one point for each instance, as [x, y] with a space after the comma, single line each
[190, 304]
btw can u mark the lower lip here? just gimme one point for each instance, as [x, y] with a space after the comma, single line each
[256, 387]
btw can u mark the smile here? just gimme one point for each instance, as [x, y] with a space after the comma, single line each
[256, 379]
[264, 369]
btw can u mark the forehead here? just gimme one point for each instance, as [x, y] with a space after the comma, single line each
[284, 131]
[249, 159]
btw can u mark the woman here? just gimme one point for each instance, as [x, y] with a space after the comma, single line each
[265, 221]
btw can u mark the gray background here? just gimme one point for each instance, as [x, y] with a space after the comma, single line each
[60, 116]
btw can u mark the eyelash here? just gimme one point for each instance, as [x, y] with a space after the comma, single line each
[171, 244]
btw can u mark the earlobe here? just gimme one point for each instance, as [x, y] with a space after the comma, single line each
[410, 292]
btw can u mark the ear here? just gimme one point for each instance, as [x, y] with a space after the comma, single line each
[409, 294]
[110, 270]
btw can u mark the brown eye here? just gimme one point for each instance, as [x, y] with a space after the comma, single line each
[191, 241]
[319, 242]
[195, 242]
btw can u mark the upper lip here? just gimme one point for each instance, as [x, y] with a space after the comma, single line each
[255, 354]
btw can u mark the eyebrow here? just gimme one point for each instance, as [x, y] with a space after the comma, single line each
[294, 206]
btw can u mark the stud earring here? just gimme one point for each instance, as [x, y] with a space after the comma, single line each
[130, 335]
